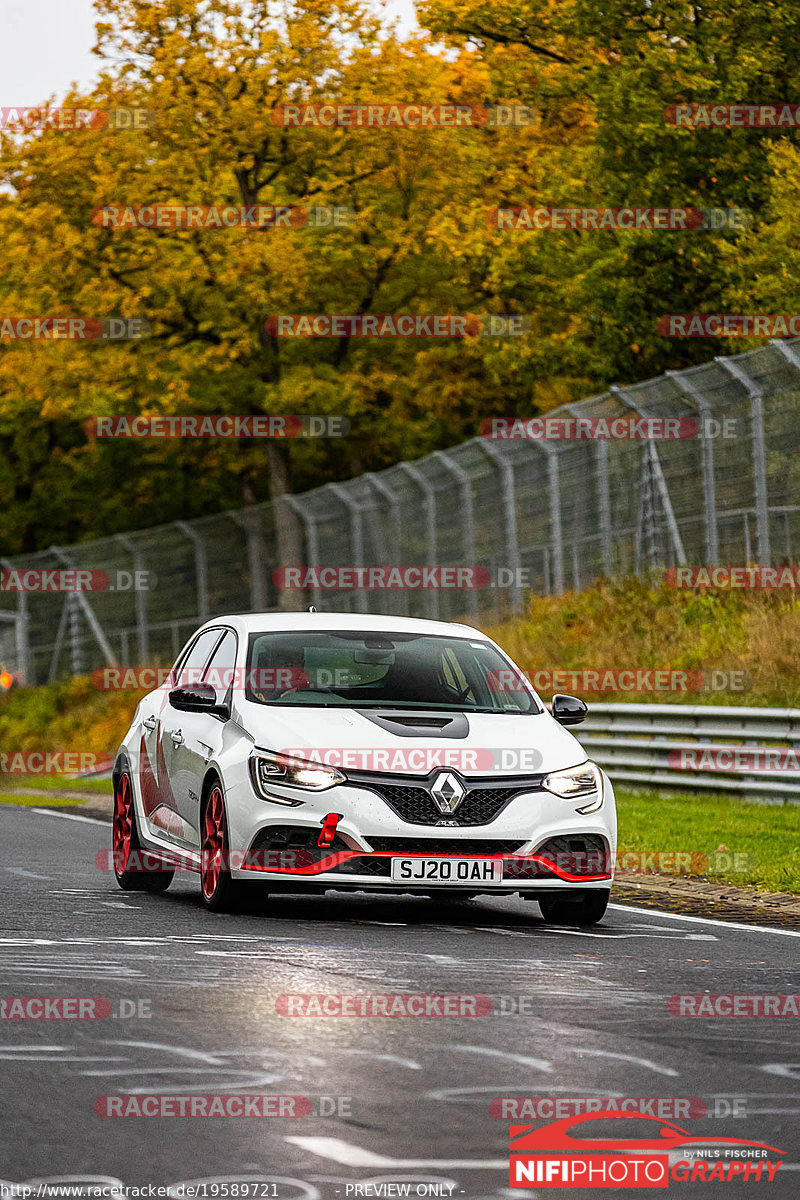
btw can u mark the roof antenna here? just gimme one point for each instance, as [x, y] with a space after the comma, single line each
[311, 608]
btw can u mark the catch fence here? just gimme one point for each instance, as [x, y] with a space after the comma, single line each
[536, 516]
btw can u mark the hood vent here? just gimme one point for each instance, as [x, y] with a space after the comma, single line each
[419, 724]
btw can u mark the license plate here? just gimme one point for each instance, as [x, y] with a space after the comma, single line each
[447, 870]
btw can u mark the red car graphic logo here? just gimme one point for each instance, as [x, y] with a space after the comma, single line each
[556, 1137]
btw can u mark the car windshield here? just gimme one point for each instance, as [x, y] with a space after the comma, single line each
[376, 670]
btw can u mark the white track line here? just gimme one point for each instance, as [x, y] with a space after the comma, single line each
[51, 812]
[657, 912]
[348, 1155]
[648, 912]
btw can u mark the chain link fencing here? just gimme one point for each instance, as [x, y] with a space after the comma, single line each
[538, 516]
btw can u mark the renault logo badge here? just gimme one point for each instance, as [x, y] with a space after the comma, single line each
[448, 791]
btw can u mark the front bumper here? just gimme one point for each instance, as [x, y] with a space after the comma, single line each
[370, 833]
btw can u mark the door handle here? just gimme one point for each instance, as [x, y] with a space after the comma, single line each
[177, 737]
[150, 724]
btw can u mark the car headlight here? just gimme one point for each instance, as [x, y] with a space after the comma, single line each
[576, 782]
[268, 769]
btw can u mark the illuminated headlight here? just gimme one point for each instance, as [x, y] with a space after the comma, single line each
[269, 769]
[577, 782]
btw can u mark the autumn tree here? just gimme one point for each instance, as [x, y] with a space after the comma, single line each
[616, 68]
[213, 74]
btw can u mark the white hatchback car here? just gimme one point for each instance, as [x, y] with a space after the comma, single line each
[315, 752]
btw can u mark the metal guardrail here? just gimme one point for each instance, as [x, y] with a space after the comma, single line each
[686, 747]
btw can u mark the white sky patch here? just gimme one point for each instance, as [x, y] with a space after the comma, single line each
[46, 46]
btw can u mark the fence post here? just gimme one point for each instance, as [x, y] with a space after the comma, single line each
[658, 475]
[603, 498]
[312, 542]
[200, 568]
[604, 507]
[506, 472]
[703, 405]
[76, 657]
[140, 597]
[56, 655]
[759, 454]
[250, 521]
[21, 634]
[556, 536]
[789, 352]
[356, 534]
[468, 517]
[383, 489]
[82, 602]
[432, 597]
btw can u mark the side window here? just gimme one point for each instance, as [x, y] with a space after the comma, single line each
[219, 672]
[191, 669]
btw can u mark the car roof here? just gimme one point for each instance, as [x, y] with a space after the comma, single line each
[286, 622]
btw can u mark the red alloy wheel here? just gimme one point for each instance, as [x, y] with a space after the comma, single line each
[213, 848]
[123, 821]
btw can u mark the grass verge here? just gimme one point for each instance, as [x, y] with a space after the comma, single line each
[750, 845]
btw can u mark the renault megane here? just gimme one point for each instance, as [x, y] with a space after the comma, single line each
[319, 752]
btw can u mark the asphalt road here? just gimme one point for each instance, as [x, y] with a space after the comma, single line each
[410, 1096]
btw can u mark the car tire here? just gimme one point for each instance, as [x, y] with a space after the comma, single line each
[587, 910]
[219, 892]
[130, 859]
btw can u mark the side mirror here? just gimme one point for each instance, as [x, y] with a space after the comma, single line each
[198, 697]
[568, 710]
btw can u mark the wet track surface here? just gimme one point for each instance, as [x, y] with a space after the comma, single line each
[409, 1097]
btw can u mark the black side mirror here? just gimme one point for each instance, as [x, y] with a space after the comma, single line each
[198, 697]
[568, 710]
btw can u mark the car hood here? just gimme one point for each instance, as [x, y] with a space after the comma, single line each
[492, 743]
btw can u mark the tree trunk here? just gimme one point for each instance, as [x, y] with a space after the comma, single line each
[288, 530]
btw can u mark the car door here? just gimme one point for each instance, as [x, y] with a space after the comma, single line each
[197, 737]
[174, 815]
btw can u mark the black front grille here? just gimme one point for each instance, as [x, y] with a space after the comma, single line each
[527, 870]
[289, 847]
[578, 854]
[363, 866]
[443, 845]
[415, 804]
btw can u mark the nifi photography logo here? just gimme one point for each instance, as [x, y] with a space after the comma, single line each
[614, 1149]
